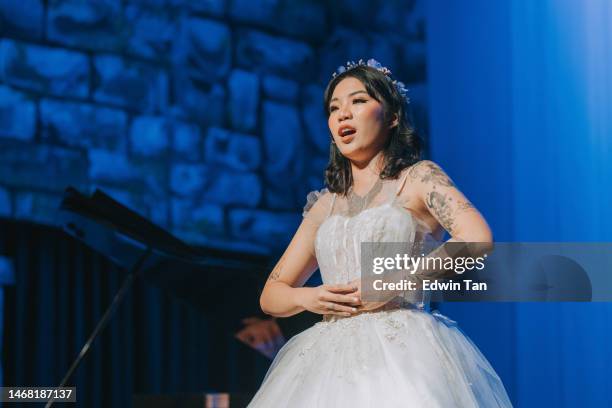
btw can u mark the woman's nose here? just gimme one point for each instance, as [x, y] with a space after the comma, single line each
[344, 113]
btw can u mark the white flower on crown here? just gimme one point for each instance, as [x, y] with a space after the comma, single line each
[401, 88]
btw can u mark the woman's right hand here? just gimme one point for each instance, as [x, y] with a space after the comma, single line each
[330, 299]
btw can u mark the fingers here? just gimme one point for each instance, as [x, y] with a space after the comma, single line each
[336, 298]
[335, 308]
[348, 288]
[350, 299]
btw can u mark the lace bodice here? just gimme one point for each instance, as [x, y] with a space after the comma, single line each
[340, 230]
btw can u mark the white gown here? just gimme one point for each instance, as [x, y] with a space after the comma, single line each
[399, 357]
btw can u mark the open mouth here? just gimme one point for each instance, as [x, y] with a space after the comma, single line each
[346, 131]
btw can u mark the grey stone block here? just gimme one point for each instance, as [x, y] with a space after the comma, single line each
[281, 197]
[343, 45]
[243, 100]
[189, 215]
[203, 49]
[150, 33]
[95, 25]
[48, 70]
[315, 119]
[130, 84]
[272, 229]
[24, 165]
[149, 136]
[215, 8]
[233, 150]
[21, 19]
[306, 19]
[107, 166]
[83, 125]
[281, 89]
[283, 144]
[186, 140]
[17, 114]
[234, 188]
[262, 13]
[356, 14]
[188, 179]
[155, 175]
[157, 4]
[270, 54]
[202, 103]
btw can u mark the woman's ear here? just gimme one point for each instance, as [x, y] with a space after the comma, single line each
[394, 121]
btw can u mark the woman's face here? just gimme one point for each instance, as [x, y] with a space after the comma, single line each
[356, 121]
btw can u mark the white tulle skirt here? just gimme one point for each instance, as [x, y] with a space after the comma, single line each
[396, 358]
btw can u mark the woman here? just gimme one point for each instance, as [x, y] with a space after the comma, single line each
[365, 353]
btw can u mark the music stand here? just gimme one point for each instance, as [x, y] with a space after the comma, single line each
[134, 243]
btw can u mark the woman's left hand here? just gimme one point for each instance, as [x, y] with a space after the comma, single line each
[366, 306]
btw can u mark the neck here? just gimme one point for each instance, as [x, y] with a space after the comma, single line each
[365, 173]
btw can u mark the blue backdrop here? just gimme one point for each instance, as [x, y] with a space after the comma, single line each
[520, 108]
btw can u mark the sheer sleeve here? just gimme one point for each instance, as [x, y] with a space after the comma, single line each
[318, 206]
[316, 210]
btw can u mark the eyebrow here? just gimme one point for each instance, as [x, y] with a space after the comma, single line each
[351, 94]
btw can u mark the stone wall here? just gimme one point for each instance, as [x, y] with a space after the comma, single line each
[203, 115]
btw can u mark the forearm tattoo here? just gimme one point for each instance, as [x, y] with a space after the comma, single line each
[444, 207]
[275, 274]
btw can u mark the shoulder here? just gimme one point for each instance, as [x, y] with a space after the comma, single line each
[428, 172]
[317, 201]
[424, 178]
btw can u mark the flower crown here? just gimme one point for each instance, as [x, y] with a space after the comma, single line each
[401, 88]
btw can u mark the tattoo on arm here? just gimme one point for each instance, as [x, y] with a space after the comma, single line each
[429, 172]
[439, 202]
[445, 209]
[465, 206]
[275, 274]
[441, 205]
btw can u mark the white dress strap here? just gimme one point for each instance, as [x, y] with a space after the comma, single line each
[401, 185]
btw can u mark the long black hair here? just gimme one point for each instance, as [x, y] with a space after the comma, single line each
[403, 147]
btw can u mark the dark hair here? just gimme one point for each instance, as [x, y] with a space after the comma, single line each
[403, 147]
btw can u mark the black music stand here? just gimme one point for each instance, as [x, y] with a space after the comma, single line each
[136, 244]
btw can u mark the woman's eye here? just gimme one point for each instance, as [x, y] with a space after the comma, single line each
[333, 108]
[359, 100]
